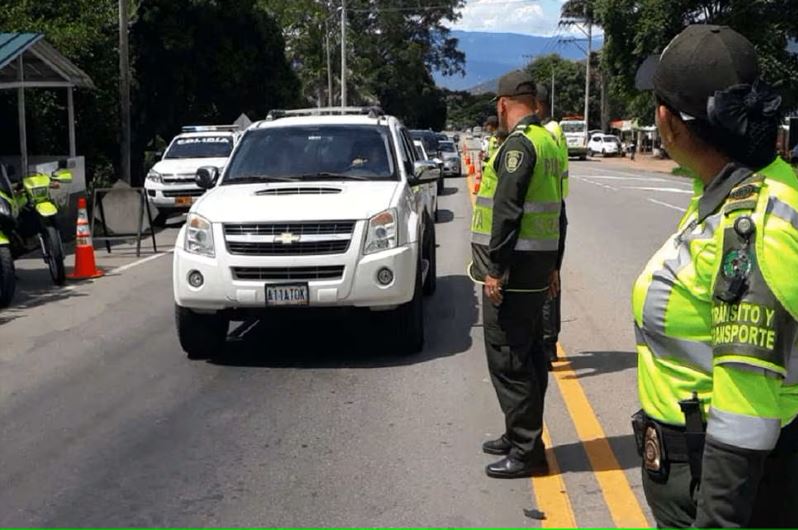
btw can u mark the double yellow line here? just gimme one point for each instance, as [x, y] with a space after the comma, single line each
[550, 491]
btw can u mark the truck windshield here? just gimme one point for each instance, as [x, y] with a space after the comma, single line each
[201, 147]
[572, 127]
[357, 152]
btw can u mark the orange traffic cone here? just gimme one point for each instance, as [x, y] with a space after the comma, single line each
[85, 265]
[468, 160]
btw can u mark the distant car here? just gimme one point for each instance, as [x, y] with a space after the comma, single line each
[430, 140]
[605, 144]
[421, 154]
[451, 159]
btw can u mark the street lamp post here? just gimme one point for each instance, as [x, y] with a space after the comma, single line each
[343, 53]
[124, 91]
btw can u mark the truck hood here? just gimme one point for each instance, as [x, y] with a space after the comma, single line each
[303, 201]
[180, 166]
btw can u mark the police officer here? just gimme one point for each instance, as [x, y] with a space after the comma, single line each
[491, 143]
[715, 309]
[551, 313]
[515, 241]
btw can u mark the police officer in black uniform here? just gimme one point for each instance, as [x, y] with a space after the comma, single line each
[511, 318]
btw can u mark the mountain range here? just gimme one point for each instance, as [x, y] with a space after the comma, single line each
[489, 55]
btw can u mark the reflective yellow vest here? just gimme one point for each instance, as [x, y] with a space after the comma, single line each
[554, 128]
[493, 146]
[540, 224]
[740, 357]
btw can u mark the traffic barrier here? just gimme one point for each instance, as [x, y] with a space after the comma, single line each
[85, 264]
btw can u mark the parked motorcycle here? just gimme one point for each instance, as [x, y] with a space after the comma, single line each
[28, 222]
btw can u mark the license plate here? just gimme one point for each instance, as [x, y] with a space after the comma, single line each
[184, 201]
[286, 295]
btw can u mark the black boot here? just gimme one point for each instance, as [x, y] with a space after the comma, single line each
[511, 467]
[499, 446]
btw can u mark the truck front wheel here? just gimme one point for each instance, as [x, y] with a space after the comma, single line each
[406, 323]
[201, 335]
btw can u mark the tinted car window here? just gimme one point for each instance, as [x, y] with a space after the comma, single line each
[446, 147]
[201, 147]
[306, 152]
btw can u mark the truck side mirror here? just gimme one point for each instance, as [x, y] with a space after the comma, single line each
[206, 177]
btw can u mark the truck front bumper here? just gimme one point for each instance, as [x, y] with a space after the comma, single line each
[358, 285]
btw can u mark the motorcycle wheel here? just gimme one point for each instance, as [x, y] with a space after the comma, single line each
[55, 254]
[8, 281]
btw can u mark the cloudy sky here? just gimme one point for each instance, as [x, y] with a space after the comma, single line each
[529, 17]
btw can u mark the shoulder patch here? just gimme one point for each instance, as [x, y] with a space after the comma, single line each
[513, 160]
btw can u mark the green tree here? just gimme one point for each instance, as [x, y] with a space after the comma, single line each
[635, 29]
[392, 48]
[206, 61]
[85, 32]
[569, 85]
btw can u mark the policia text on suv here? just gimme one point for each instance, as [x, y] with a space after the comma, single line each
[716, 308]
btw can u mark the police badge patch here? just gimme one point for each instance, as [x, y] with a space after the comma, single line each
[513, 160]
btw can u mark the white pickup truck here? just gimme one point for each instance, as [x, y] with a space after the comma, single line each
[315, 208]
[171, 183]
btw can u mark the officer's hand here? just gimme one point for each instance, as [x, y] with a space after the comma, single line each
[493, 289]
[554, 284]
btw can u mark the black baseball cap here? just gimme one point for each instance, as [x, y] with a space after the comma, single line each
[698, 62]
[515, 83]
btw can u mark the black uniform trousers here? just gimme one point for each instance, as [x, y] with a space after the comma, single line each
[552, 310]
[674, 502]
[518, 368]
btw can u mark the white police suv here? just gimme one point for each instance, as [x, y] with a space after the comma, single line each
[171, 183]
[316, 208]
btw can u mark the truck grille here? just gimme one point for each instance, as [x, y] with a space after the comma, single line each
[288, 273]
[178, 178]
[289, 239]
[183, 193]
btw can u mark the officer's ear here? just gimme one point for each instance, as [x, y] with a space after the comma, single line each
[667, 125]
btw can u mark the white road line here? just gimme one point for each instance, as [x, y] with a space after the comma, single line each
[599, 184]
[665, 204]
[142, 261]
[611, 177]
[667, 190]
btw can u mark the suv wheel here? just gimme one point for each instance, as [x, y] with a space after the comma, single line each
[407, 322]
[201, 335]
[430, 254]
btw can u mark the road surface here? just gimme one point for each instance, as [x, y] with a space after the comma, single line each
[104, 422]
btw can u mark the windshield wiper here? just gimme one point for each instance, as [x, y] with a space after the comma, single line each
[324, 175]
[247, 179]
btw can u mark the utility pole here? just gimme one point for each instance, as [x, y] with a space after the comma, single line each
[329, 63]
[343, 53]
[552, 94]
[124, 90]
[587, 70]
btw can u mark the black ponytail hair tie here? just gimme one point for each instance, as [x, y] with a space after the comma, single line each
[734, 108]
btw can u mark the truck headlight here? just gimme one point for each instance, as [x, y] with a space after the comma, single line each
[154, 176]
[199, 235]
[382, 232]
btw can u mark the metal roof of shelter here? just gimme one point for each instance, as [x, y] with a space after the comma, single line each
[42, 65]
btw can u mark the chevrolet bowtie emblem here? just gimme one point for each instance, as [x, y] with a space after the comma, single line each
[287, 238]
